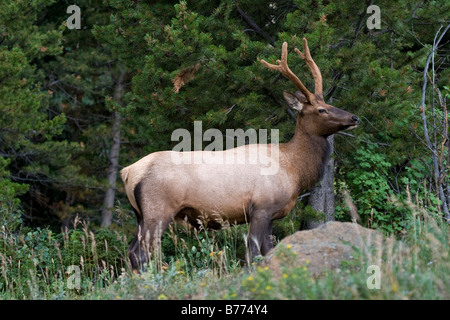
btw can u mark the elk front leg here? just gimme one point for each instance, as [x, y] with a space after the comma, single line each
[267, 240]
[260, 234]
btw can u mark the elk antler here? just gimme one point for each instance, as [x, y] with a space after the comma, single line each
[318, 90]
[284, 69]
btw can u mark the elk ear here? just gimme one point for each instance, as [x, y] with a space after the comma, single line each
[293, 100]
[300, 96]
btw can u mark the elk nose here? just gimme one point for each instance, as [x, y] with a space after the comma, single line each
[356, 119]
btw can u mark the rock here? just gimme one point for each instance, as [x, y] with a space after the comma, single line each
[324, 247]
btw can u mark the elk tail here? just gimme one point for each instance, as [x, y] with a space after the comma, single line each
[130, 190]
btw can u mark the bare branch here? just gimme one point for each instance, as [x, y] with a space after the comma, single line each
[429, 144]
[255, 27]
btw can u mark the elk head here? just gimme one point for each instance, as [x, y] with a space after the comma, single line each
[321, 119]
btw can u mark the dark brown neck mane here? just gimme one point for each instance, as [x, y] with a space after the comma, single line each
[308, 155]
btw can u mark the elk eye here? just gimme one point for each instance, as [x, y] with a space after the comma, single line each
[322, 110]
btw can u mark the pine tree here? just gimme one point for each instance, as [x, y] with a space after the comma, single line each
[86, 80]
[28, 131]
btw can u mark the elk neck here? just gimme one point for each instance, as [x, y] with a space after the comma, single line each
[307, 155]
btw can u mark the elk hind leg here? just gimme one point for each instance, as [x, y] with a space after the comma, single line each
[148, 238]
[134, 252]
[260, 234]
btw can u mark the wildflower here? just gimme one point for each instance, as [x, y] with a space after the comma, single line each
[250, 278]
[260, 269]
[285, 275]
[289, 246]
[162, 296]
[268, 287]
[395, 286]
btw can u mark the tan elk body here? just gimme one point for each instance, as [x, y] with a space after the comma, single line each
[162, 191]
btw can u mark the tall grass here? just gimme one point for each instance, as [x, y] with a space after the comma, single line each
[39, 264]
[81, 262]
[198, 264]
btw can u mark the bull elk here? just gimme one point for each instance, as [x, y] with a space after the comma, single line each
[161, 191]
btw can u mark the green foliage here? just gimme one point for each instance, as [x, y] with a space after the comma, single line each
[369, 185]
[10, 214]
[372, 189]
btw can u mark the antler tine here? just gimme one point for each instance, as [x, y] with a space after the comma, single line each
[284, 69]
[318, 88]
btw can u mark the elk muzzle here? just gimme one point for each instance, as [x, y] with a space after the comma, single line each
[354, 123]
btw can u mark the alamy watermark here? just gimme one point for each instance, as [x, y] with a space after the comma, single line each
[74, 280]
[74, 21]
[374, 21]
[374, 281]
[259, 151]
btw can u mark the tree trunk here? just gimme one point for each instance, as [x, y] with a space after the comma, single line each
[322, 196]
[110, 194]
